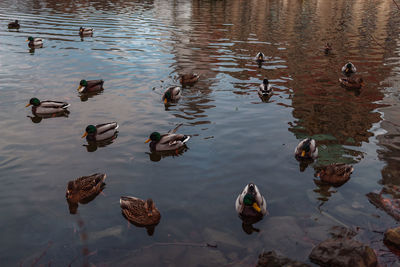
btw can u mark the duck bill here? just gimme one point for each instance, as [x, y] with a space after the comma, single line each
[80, 88]
[362, 84]
[165, 101]
[256, 207]
[84, 135]
[303, 153]
[28, 105]
[148, 140]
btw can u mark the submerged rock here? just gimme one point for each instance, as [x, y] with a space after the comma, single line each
[271, 259]
[392, 237]
[343, 251]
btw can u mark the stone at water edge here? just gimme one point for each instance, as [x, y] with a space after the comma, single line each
[271, 259]
[343, 252]
[392, 237]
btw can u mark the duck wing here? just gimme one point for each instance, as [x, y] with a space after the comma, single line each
[106, 127]
[94, 83]
[54, 104]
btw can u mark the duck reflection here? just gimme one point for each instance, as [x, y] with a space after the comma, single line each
[158, 155]
[247, 225]
[92, 146]
[83, 190]
[38, 118]
[85, 96]
[324, 191]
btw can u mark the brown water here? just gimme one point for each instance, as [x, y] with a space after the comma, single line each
[139, 48]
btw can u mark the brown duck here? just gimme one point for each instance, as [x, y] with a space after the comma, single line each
[140, 212]
[188, 79]
[335, 174]
[352, 83]
[84, 189]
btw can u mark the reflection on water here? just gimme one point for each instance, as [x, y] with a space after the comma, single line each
[137, 44]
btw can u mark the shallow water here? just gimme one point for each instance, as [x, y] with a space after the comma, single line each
[139, 48]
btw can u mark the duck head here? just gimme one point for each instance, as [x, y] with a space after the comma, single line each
[149, 206]
[250, 197]
[167, 97]
[30, 39]
[82, 86]
[154, 136]
[34, 102]
[265, 81]
[90, 130]
[306, 147]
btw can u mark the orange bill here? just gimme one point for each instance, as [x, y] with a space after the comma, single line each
[84, 135]
[148, 140]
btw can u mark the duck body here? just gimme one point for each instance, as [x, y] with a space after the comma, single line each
[172, 94]
[35, 42]
[306, 150]
[260, 57]
[167, 142]
[335, 174]
[351, 82]
[348, 69]
[92, 86]
[139, 212]
[84, 189]
[265, 89]
[250, 204]
[100, 132]
[47, 107]
[86, 31]
[14, 25]
[188, 79]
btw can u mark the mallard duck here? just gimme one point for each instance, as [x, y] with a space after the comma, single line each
[84, 189]
[35, 42]
[250, 203]
[335, 174]
[167, 142]
[100, 132]
[349, 69]
[260, 58]
[90, 86]
[172, 94]
[328, 48]
[306, 149]
[140, 212]
[13, 25]
[351, 82]
[187, 79]
[85, 31]
[265, 89]
[47, 107]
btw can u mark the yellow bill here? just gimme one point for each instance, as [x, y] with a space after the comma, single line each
[84, 135]
[148, 140]
[28, 105]
[256, 207]
[165, 101]
[303, 153]
[79, 88]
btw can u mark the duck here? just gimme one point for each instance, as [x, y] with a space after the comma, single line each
[188, 79]
[86, 31]
[349, 69]
[306, 150]
[250, 203]
[47, 107]
[328, 48]
[84, 189]
[265, 89]
[351, 82]
[100, 132]
[140, 212]
[260, 57]
[336, 173]
[13, 25]
[91, 86]
[35, 42]
[172, 94]
[167, 142]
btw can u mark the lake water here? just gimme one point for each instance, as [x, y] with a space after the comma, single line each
[139, 48]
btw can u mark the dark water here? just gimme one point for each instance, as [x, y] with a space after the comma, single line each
[139, 48]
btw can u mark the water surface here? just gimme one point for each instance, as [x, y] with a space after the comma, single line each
[139, 48]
